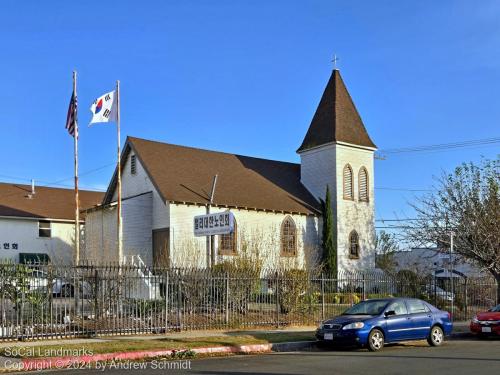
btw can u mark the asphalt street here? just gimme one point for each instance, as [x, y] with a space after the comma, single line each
[454, 357]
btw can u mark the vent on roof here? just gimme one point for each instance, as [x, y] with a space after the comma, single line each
[133, 165]
[33, 192]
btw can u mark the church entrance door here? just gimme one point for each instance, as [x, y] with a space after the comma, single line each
[161, 248]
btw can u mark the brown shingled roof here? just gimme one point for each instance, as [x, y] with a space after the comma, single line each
[47, 203]
[336, 119]
[185, 174]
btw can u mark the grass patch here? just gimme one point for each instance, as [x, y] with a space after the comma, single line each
[113, 345]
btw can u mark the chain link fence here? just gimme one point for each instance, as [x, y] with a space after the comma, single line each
[49, 301]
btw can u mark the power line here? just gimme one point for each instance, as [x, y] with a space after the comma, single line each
[442, 146]
[81, 174]
[55, 183]
[15, 178]
[45, 183]
[394, 227]
[436, 147]
[388, 220]
[402, 189]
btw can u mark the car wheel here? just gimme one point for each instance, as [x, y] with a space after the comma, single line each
[436, 336]
[375, 340]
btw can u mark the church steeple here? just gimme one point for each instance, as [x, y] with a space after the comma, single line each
[336, 119]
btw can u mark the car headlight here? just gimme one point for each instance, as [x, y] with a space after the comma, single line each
[356, 325]
[321, 325]
[475, 320]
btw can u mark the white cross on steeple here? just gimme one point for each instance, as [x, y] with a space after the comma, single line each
[334, 61]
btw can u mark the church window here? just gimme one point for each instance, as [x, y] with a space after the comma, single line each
[348, 183]
[353, 244]
[363, 185]
[228, 242]
[288, 237]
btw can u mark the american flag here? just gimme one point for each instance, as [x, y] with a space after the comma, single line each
[72, 116]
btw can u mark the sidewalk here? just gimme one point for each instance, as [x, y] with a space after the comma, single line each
[66, 353]
[459, 328]
[174, 336]
[43, 354]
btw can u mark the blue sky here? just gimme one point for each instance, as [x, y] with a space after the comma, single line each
[246, 77]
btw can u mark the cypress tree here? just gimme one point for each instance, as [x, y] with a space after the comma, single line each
[328, 241]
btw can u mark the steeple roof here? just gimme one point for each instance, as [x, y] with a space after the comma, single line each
[336, 119]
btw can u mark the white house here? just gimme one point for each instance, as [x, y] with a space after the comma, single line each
[435, 262]
[38, 224]
[275, 204]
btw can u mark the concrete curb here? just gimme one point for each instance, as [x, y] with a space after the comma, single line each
[30, 364]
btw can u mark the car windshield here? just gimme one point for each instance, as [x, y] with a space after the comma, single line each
[495, 309]
[367, 308]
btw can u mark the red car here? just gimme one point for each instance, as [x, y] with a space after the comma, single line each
[486, 323]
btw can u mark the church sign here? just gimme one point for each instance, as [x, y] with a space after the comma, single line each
[210, 224]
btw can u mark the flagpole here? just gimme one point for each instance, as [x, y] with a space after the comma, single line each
[77, 200]
[119, 175]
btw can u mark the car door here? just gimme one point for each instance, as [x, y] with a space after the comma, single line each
[398, 326]
[421, 318]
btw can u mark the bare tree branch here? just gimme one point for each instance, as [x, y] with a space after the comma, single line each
[467, 203]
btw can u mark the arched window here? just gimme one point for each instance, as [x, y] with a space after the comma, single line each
[288, 237]
[348, 183]
[363, 185]
[353, 244]
[228, 242]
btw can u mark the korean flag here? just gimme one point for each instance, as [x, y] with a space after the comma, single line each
[104, 108]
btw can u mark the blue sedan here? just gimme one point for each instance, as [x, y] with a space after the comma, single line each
[374, 322]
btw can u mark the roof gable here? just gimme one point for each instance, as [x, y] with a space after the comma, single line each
[185, 174]
[336, 119]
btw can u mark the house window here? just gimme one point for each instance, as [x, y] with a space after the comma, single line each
[133, 165]
[354, 245]
[44, 229]
[363, 185]
[348, 185]
[288, 237]
[228, 242]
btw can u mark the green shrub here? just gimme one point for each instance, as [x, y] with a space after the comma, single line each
[293, 288]
[238, 281]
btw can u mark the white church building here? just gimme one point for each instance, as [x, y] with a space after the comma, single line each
[275, 204]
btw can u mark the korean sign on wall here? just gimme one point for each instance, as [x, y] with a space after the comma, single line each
[219, 223]
[9, 246]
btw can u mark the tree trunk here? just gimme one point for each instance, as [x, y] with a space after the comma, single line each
[497, 277]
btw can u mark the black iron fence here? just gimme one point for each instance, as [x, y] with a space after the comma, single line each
[48, 301]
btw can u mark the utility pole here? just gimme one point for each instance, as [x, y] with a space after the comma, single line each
[451, 276]
[210, 239]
